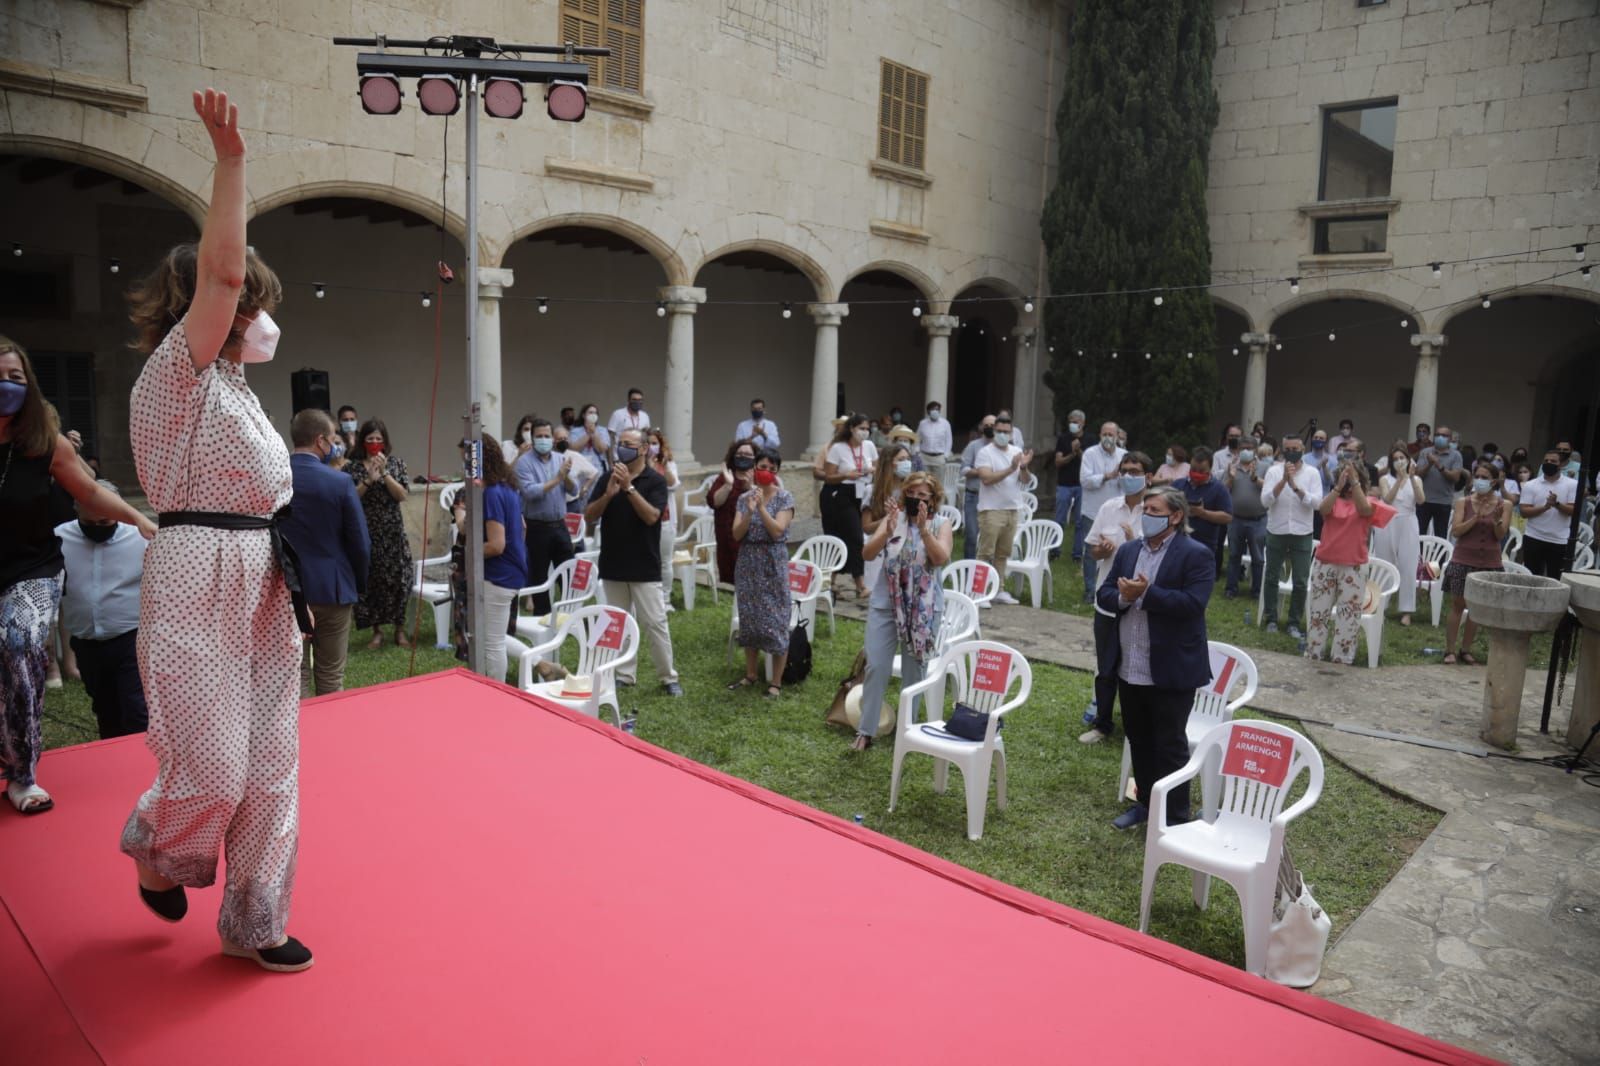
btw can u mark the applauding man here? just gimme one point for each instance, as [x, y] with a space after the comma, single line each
[999, 497]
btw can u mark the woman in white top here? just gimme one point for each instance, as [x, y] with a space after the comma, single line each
[661, 462]
[847, 485]
[1399, 542]
[590, 439]
[521, 441]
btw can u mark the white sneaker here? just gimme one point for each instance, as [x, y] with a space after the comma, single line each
[1091, 736]
[984, 605]
[1005, 597]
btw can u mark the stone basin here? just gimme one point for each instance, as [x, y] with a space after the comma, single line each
[1585, 588]
[1520, 603]
[1512, 607]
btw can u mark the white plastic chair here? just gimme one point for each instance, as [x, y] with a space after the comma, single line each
[574, 527]
[988, 677]
[607, 637]
[1285, 587]
[570, 585]
[1030, 558]
[958, 622]
[1513, 545]
[1435, 550]
[1583, 558]
[435, 594]
[950, 480]
[805, 589]
[694, 552]
[1234, 680]
[1029, 507]
[1585, 536]
[829, 554]
[1513, 568]
[703, 508]
[973, 578]
[1386, 576]
[953, 516]
[1240, 839]
[1030, 484]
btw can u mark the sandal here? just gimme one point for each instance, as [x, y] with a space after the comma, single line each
[291, 956]
[1469, 659]
[743, 682]
[1449, 658]
[29, 799]
[1405, 620]
[774, 691]
[861, 743]
[376, 642]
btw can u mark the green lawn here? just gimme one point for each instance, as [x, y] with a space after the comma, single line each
[1054, 839]
[1225, 621]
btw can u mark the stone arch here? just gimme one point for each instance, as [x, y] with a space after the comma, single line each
[916, 278]
[422, 206]
[1238, 309]
[180, 196]
[813, 271]
[1571, 292]
[1005, 287]
[1418, 322]
[671, 263]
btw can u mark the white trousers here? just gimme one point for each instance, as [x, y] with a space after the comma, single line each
[642, 599]
[1399, 543]
[496, 616]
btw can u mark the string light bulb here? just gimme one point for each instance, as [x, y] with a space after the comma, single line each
[661, 309]
[1577, 252]
[1584, 273]
[1188, 355]
[427, 299]
[16, 249]
[115, 266]
[1080, 353]
[1294, 286]
[1278, 347]
[1027, 305]
[1332, 336]
[916, 309]
[1158, 301]
[1236, 351]
[788, 311]
[1405, 323]
[320, 290]
[1113, 355]
[1437, 272]
[1486, 303]
[544, 306]
[1147, 355]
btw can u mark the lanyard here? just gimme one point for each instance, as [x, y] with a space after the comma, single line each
[855, 453]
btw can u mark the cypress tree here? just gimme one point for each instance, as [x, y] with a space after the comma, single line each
[1128, 212]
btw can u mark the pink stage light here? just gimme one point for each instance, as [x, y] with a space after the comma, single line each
[566, 101]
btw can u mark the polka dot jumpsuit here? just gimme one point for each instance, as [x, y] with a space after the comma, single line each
[218, 647]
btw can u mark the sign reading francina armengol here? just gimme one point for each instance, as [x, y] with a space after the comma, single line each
[1258, 755]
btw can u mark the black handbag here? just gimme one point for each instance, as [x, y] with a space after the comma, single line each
[968, 724]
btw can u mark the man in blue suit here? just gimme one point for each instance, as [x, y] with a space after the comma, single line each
[327, 529]
[1158, 587]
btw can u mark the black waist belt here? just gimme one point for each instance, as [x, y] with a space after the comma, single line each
[282, 550]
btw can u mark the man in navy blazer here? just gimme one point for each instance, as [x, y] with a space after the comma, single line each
[328, 530]
[1159, 587]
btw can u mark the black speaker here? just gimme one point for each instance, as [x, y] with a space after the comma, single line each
[309, 388]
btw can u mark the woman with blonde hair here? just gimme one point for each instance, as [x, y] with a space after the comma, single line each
[913, 543]
[894, 466]
[218, 645]
[37, 455]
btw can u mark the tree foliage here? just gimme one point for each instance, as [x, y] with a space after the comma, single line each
[1128, 212]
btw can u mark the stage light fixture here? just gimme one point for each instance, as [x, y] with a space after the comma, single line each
[503, 98]
[566, 101]
[439, 94]
[380, 94]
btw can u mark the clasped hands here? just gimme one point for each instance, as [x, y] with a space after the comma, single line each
[1131, 588]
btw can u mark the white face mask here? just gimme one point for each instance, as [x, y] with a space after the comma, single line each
[1108, 442]
[1073, 427]
[1002, 437]
[860, 434]
[933, 415]
[348, 425]
[260, 339]
[1169, 460]
[590, 418]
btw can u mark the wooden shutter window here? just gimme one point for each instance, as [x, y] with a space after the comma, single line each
[902, 116]
[614, 24]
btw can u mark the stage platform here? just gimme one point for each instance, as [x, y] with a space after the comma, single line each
[487, 879]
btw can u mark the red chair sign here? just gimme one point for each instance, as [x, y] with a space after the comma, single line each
[574, 525]
[992, 672]
[1258, 755]
[582, 571]
[610, 635]
[980, 578]
[800, 578]
[1223, 668]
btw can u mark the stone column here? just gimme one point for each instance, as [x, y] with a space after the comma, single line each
[1425, 385]
[939, 328]
[1255, 379]
[825, 373]
[1024, 384]
[492, 284]
[677, 402]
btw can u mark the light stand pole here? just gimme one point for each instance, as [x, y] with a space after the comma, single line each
[463, 64]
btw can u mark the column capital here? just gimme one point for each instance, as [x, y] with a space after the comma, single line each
[829, 314]
[940, 325]
[1253, 340]
[493, 282]
[1430, 340]
[681, 299]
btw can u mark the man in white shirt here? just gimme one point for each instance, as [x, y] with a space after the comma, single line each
[970, 485]
[1097, 475]
[758, 427]
[100, 611]
[1116, 523]
[999, 496]
[1018, 437]
[1547, 503]
[632, 416]
[933, 436]
[1291, 491]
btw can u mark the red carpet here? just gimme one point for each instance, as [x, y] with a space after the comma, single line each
[485, 879]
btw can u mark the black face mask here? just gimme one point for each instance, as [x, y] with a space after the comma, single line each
[560, 446]
[1233, 442]
[1550, 469]
[743, 462]
[1293, 455]
[98, 534]
[988, 431]
[757, 414]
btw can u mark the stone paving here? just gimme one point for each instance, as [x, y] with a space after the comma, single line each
[1489, 937]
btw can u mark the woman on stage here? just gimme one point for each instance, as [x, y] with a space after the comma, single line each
[218, 647]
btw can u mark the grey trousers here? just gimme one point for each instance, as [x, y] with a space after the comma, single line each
[882, 642]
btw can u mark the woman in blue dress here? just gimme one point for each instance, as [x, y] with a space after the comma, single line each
[761, 575]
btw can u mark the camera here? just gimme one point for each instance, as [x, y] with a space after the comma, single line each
[913, 507]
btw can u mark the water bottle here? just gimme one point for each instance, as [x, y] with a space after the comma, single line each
[1247, 616]
[1430, 651]
[861, 819]
[1091, 713]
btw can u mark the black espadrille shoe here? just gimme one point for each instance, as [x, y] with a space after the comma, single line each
[291, 956]
[170, 905]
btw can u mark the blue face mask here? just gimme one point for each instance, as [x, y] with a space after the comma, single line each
[625, 454]
[1131, 483]
[902, 468]
[335, 453]
[12, 393]
[1481, 485]
[542, 445]
[1153, 525]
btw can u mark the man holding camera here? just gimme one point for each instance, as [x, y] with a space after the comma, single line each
[999, 467]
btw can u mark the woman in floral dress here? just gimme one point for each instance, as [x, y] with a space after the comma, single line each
[761, 574]
[380, 479]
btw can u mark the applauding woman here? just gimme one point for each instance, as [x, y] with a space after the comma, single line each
[723, 496]
[381, 483]
[847, 474]
[1399, 542]
[1479, 522]
[760, 583]
[907, 599]
[1348, 516]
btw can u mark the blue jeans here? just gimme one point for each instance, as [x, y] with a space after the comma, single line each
[1069, 499]
[1090, 565]
[1246, 535]
[969, 524]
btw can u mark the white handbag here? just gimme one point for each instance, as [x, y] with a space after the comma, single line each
[1299, 934]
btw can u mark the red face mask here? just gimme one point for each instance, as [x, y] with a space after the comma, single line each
[374, 447]
[765, 478]
[1198, 478]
